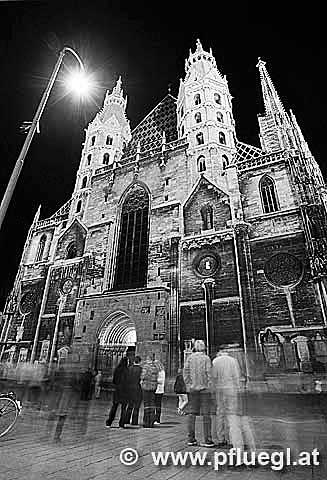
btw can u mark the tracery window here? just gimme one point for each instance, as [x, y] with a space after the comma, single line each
[84, 182]
[40, 248]
[197, 99]
[71, 251]
[201, 164]
[132, 257]
[268, 195]
[199, 138]
[220, 117]
[105, 160]
[217, 98]
[207, 217]
[222, 138]
[197, 117]
[109, 140]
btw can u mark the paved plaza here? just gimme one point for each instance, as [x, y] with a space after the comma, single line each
[90, 451]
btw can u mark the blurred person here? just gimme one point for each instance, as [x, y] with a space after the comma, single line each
[197, 377]
[231, 422]
[120, 395]
[134, 392]
[97, 384]
[159, 393]
[86, 384]
[149, 383]
[180, 390]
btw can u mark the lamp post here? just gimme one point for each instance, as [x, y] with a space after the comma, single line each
[33, 128]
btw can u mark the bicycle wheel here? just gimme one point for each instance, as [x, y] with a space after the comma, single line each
[8, 414]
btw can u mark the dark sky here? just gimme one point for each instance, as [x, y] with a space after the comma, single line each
[147, 44]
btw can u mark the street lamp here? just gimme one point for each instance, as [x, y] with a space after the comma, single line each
[34, 127]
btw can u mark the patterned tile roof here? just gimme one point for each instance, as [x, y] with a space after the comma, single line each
[149, 131]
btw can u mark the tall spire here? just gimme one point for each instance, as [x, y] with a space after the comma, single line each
[272, 102]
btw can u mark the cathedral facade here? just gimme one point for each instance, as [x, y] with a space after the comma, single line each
[174, 231]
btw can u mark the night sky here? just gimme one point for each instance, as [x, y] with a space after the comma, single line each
[145, 43]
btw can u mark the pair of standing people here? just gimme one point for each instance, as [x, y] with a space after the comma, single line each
[153, 384]
[223, 379]
[127, 393]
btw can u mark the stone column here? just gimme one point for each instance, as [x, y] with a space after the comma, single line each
[207, 286]
[174, 327]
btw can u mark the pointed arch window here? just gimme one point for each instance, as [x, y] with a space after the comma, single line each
[109, 140]
[222, 138]
[71, 251]
[220, 117]
[225, 162]
[198, 118]
[89, 158]
[40, 248]
[79, 206]
[182, 111]
[182, 131]
[105, 160]
[197, 99]
[207, 217]
[84, 182]
[93, 140]
[201, 164]
[132, 257]
[199, 138]
[268, 195]
[217, 98]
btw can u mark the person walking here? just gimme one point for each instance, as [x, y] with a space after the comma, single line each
[97, 384]
[149, 383]
[232, 426]
[159, 393]
[197, 377]
[120, 379]
[180, 390]
[134, 393]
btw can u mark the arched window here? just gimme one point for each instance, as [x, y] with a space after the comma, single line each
[109, 140]
[197, 117]
[197, 99]
[105, 160]
[225, 162]
[182, 131]
[40, 248]
[93, 141]
[201, 164]
[222, 138]
[132, 256]
[220, 117]
[79, 206]
[182, 111]
[71, 251]
[217, 98]
[84, 182]
[207, 217]
[89, 158]
[268, 195]
[199, 138]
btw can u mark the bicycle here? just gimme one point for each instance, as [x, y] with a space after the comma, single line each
[10, 409]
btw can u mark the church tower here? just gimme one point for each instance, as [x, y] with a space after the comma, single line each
[204, 115]
[105, 140]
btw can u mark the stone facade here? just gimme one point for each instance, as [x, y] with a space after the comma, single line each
[157, 212]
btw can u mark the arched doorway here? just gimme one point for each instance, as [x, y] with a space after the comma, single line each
[116, 337]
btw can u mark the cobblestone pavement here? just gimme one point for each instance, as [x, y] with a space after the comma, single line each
[90, 451]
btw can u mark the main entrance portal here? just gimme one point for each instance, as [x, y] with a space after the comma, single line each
[116, 337]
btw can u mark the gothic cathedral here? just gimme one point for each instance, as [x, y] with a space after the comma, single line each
[176, 230]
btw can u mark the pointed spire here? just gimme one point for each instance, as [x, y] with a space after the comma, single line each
[37, 216]
[272, 102]
[199, 48]
[299, 135]
[117, 90]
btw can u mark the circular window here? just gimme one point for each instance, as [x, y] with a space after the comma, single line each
[207, 264]
[283, 270]
[27, 302]
[67, 285]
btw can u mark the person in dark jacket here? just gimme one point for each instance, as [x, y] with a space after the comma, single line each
[120, 396]
[134, 392]
[180, 390]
